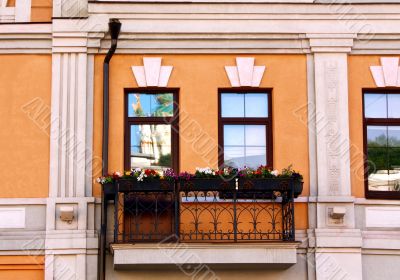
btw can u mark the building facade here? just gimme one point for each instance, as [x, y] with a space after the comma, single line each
[312, 84]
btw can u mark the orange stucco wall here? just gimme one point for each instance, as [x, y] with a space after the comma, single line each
[359, 77]
[22, 267]
[198, 77]
[11, 3]
[41, 10]
[24, 117]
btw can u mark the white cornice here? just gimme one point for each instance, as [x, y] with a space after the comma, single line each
[25, 38]
[195, 27]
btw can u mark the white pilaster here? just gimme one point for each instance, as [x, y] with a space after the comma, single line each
[329, 133]
[67, 244]
[332, 124]
[68, 129]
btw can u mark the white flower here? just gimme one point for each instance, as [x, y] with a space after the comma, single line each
[275, 173]
[118, 173]
[141, 176]
[206, 170]
[101, 180]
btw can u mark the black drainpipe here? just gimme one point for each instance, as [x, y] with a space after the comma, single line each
[114, 29]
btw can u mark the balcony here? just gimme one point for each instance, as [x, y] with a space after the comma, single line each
[204, 214]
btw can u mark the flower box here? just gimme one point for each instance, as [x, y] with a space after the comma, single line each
[264, 188]
[128, 185]
[269, 185]
[206, 184]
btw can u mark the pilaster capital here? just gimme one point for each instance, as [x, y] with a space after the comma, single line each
[76, 36]
[331, 43]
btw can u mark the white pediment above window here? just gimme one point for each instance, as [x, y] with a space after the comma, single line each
[245, 73]
[152, 74]
[388, 74]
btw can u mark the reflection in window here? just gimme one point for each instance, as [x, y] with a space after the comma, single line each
[245, 124]
[151, 145]
[150, 105]
[383, 151]
[245, 145]
[248, 105]
[381, 105]
[151, 131]
[382, 125]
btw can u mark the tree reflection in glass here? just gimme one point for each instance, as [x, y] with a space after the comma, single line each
[150, 143]
[383, 144]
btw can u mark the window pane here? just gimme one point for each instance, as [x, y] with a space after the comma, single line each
[255, 156]
[377, 169]
[255, 135]
[377, 136]
[256, 105]
[151, 146]
[394, 105]
[245, 145]
[150, 105]
[375, 105]
[234, 135]
[234, 156]
[232, 105]
[394, 136]
[394, 169]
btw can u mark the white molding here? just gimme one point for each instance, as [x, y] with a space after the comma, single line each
[364, 201]
[7, 14]
[310, 122]
[22, 10]
[89, 126]
[23, 201]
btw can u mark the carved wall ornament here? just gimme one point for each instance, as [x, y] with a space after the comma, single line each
[152, 74]
[388, 74]
[245, 74]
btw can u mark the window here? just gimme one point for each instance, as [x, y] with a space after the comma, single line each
[151, 129]
[245, 132]
[382, 144]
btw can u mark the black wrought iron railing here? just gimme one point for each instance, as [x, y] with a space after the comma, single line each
[204, 210]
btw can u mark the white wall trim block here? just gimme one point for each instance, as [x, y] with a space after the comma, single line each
[12, 217]
[382, 217]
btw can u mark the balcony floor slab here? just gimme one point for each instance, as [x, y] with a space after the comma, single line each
[278, 255]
